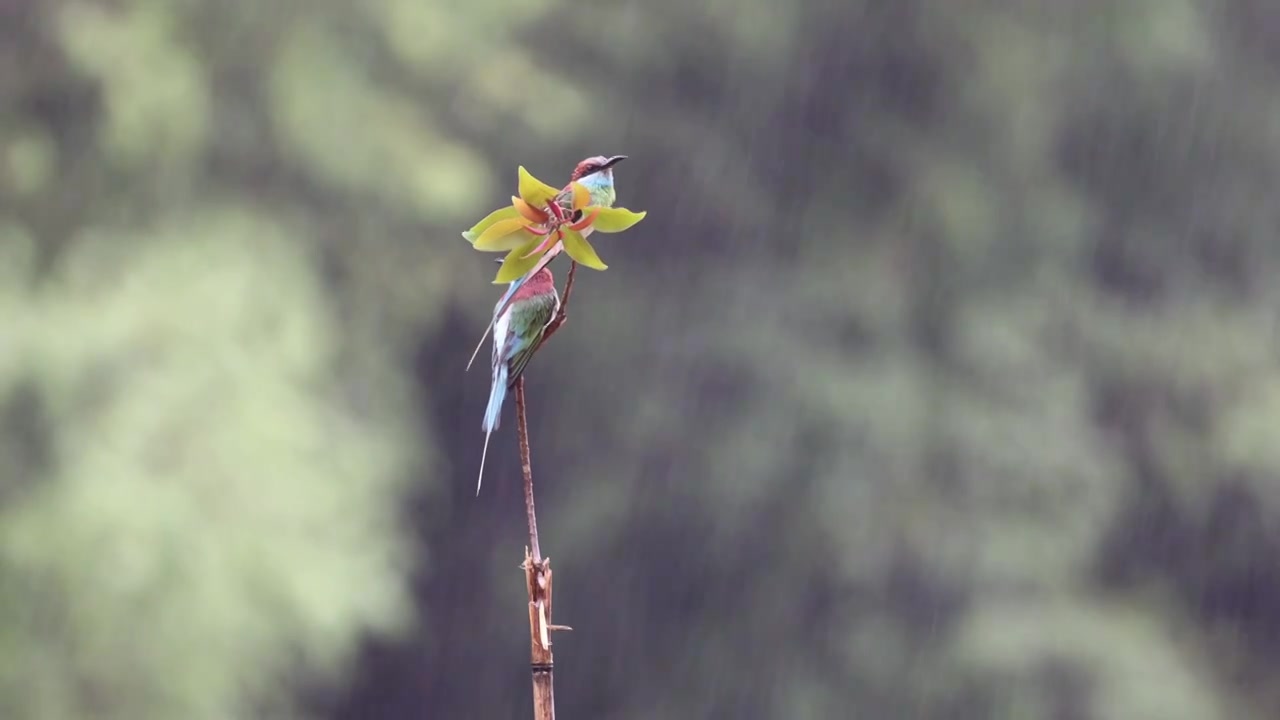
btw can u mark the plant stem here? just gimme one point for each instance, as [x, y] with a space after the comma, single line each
[563, 313]
[537, 575]
[537, 569]
[526, 469]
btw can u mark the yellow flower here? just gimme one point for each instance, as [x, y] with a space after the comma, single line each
[542, 220]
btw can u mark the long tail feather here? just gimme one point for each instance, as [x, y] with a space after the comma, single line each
[483, 454]
[479, 345]
[502, 306]
[497, 393]
[492, 415]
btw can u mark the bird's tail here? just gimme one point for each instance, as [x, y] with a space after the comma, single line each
[497, 394]
[483, 454]
[492, 415]
[479, 345]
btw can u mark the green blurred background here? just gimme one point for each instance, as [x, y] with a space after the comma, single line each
[940, 382]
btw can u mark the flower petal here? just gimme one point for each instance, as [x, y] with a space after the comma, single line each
[493, 217]
[529, 211]
[581, 196]
[585, 222]
[556, 209]
[546, 245]
[581, 251]
[534, 191]
[612, 220]
[503, 235]
[518, 263]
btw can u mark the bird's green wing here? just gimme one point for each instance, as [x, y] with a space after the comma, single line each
[535, 313]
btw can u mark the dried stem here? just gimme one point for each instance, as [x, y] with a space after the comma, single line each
[537, 570]
[526, 469]
[563, 314]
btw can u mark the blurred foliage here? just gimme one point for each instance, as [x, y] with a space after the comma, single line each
[940, 382]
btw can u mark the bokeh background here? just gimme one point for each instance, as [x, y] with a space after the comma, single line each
[941, 381]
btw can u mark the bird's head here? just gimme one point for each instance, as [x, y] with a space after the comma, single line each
[597, 168]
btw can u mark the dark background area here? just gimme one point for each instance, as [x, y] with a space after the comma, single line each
[940, 381]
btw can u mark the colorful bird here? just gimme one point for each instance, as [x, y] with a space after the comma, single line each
[516, 335]
[596, 175]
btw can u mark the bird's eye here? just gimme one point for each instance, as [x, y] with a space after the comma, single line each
[592, 168]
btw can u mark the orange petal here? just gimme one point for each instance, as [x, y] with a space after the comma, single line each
[544, 246]
[581, 197]
[585, 222]
[528, 211]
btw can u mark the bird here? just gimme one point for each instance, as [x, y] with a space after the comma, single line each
[596, 175]
[517, 333]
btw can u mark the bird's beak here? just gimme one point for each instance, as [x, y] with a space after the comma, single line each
[614, 161]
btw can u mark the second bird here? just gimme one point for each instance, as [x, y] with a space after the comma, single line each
[516, 335]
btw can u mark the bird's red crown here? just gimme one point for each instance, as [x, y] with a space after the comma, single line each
[595, 164]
